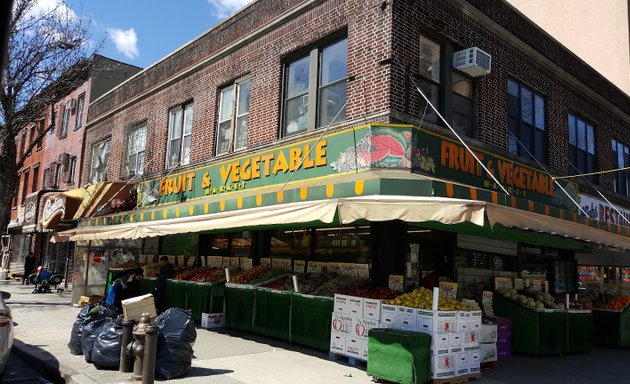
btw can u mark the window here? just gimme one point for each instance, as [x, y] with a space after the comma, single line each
[72, 169]
[63, 132]
[179, 136]
[79, 117]
[25, 185]
[233, 117]
[58, 167]
[526, 121]
[621, 159]
[32, 133]
[35, 178]
[582, 146]
[100, 158]
[46, 183]
[22, 143]
[40, 129]
[315, 88]
[462, 120]
[430, 63]
[135, 151]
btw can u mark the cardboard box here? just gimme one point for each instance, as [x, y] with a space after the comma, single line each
[337, 342]
[474, 360]
[342, 304]
[341, 323]
[440, 341]
[355, 346]
[463, 325]
[446, 351]
[487, 352]
[361, 327]
[372, 309]
[355, 306]
[455, 339]
[389, 314]
[436, 321]
[134, 307]
[471, 337]
[488, 333]
[211, 320]
[85, 300]
[462, 361]
[406, 318]
[475, 317]
[443, 366]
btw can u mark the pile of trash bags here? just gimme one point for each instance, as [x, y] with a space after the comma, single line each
[97, 331]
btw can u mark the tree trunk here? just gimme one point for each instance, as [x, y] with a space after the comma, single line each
[9, 178]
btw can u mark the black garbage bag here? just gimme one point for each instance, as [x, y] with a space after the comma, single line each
[90, 333]
[106, 349]
[87, 314]
[177, 335]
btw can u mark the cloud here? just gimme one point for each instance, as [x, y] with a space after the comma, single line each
[225, 8]
[126, 41]
[60, 9]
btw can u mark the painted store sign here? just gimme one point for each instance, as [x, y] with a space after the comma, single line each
[600, 210]
[446, 158]
[341, 152]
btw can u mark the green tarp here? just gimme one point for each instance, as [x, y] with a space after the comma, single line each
[310, 321]
[399, 356]
[611, 328]
[176, 294]
[272, 313]
[239, 308]
[580, 329]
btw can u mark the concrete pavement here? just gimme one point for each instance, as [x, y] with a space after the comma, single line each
[232, 357]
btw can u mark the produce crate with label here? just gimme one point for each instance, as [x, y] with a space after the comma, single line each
[611, 323]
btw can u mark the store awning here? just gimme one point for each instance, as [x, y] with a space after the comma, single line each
[515, 218]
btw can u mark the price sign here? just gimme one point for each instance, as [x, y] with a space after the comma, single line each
[448, 289]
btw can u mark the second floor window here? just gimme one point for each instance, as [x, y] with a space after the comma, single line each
[621, 159]
[58, 172]
[72, 170]
[135, 151]
[526, 122]
[63, 132]
[79, 117]
[582, 146]
[179, 136]
[35, 178]
[233, 117]
[46, 182]
[315, 88]
[100, 159]
[40, 128]
[25, 186]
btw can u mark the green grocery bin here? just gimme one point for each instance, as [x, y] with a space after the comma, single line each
[580, 331]
[146, 286]
[310, 320]
[535, 332]
[199, 299]
[216, 297]
[399, 356]
[176, 294]
[272, 313]
[239, 308]
[611, 328]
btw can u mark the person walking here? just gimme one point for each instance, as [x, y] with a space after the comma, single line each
[29, 264]
[159, 292]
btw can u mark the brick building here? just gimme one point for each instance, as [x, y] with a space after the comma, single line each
[218, 113]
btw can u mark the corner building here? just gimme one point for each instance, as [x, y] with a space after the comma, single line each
[296, 134]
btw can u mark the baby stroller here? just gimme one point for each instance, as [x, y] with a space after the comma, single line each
[43, 279]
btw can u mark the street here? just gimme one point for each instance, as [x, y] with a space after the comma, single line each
[20, 372]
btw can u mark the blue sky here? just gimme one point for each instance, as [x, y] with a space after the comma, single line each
[141, 32]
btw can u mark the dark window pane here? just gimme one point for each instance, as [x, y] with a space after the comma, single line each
[581, 135]
[296, 115]
[513, 106]
[334, 62]
[332, 100]
[573, 155]
[540, 112]
[462, 85]
[527, 139]
[298, 77]
[513, 88]
[429, 59]
[462, 124]
[572, 128]
[539, 145]
[590, 139]
[527, 107]
[433, 94]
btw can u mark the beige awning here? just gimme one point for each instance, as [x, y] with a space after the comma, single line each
[515, 218]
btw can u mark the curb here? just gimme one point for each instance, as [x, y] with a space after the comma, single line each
[45, 364]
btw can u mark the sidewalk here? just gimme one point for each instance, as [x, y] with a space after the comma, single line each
[232, 357]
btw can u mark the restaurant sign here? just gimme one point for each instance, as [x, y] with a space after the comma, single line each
[446, 158]
[600, 210]
[341, 152]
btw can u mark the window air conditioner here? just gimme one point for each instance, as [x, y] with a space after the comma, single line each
[472, 61]
[71, 103]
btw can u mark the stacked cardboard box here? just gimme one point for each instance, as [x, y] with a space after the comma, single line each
[488, 343]
[352, 319]
[504, 335]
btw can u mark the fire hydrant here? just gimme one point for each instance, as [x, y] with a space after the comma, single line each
[143, 349]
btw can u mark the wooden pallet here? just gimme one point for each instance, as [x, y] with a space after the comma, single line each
[347, 360]
[490, 365]
[458, 379]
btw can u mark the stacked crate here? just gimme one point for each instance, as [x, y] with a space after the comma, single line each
[352, 319]
[488, 343]
[504, 335]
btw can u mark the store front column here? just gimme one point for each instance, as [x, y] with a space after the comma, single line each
[389, 249]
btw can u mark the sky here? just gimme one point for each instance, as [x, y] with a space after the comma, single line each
[141, 32]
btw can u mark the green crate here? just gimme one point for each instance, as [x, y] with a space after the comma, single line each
[239, 308]
[199, 299]
[611, 328]
[310, 321]
[272, 313]
[399, 356]
[534, 332]
[580, 331]
[176, 294]
[146, 286]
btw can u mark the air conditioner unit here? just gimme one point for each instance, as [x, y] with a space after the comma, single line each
[71, 103]
[472, 61]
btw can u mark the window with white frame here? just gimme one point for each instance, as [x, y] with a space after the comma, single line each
[100, 158]
[72, 170]
[315, 88]
[179, 136]
[63, 132]
[136, 143]
[621, 159]
[79, 117]
[233, 117]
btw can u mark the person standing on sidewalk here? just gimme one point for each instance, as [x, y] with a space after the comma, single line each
[29, 264]
[159, 292]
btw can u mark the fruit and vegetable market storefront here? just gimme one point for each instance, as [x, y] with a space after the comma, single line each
[384, 204]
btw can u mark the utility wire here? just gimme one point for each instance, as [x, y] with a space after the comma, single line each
[591, 173]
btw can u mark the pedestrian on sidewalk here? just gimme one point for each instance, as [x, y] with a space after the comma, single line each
[159, 292]
[29, 264]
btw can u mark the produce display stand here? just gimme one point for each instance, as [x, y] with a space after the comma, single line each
[399, 356]
[239, 306]
[310, 320]
[611, 328]
[114, 273]
[580, 330]
[199, 299]
[534, 331]
[272, 313]
[176, 294]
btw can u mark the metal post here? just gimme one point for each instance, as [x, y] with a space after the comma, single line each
[150, 352]
[138, 353]
[126, 361]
